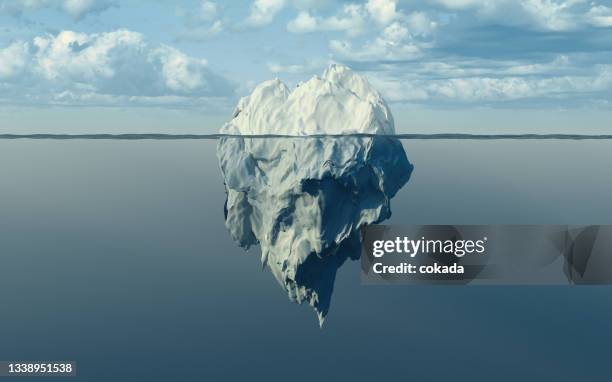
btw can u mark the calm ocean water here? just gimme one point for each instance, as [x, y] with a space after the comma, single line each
[115, 254]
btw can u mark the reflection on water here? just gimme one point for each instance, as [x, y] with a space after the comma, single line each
[304, 201]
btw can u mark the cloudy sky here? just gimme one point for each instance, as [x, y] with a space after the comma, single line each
[443, 65]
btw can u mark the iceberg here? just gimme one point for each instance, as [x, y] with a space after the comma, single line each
[304, 199]
[340, 102]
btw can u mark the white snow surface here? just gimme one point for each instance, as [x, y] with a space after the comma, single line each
[339, 102]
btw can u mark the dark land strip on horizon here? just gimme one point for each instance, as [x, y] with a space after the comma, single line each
[217, 136]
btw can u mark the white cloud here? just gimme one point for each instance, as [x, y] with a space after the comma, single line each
[400, 36]
[493, 81]
[77, 9]
[600, 16]
[401, 40]
[383, 11]
[544, 15]
[215, 28]
[208, 10]
[351, 19]
[105, 66]
[181, 73]
[13, 59]
[395, 34]
[264, 11]
[303, 23]
[392, 45]
[548, 15]
[421, 24]
[558, 63]
[202, 33]
[462, 4]
[80, 57]
[514, 88]
[309, 67]
[202, 24]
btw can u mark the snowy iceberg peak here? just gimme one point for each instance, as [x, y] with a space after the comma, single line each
[339, 102]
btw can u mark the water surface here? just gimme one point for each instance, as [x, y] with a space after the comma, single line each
[115, 255]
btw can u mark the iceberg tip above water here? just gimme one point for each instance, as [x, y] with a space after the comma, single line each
[339, 102]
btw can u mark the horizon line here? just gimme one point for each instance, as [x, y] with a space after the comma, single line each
[416, 136]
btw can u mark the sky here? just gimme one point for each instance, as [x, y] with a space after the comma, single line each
[89, 66]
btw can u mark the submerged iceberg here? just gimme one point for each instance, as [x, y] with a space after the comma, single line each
[305, 199]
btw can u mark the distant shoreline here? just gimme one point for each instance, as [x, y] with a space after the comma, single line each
[398, 136]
